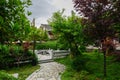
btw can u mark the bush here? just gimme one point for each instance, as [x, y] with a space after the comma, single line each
[82, 49]
[62, 46]
[11, 55]
[47, 45]
[5, 58]
[79, 63]
[82, 75]
[34, 59]
[5, 76]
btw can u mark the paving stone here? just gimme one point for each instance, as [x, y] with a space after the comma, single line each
[40, 79]
[48, 71]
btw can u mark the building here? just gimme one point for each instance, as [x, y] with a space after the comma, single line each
[48, 29]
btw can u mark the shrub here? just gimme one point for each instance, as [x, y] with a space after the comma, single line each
[82, 49]
[47, 45]
[34, 60]
[82, 75]
[4, 49]
[11, 55]
[33, 57]
[62, 46]
[26, 46]
[4, 56]
[79, 63]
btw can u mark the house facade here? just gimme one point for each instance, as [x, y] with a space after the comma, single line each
[48, 29]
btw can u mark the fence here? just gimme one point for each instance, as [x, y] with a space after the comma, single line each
[60, 53]
[54, 53]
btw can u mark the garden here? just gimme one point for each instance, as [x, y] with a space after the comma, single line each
[98, 26]
[89, 66]
[15, 34]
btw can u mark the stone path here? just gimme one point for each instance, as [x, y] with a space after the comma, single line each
[48, 71]
[43, 57]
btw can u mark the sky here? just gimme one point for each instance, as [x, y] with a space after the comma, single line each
[42, 10]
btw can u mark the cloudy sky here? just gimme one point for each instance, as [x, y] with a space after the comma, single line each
[42, 9]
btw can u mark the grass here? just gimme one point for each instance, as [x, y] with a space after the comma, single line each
[6, 76]
[23, 71]
[93, 69]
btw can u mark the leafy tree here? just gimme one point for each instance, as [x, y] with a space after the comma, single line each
[43, 34]
[35, 34]
[100, 18]
[68, 30]
[13, 20]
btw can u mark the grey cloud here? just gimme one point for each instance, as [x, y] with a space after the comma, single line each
[40, 8]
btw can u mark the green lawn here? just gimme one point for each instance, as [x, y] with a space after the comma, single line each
[23, 71]
[93, 68]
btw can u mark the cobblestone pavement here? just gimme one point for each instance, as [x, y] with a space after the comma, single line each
[48, 71]
[43, 57]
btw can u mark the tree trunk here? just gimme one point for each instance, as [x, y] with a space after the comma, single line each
[34, 44]
[74, 50]
[105, 71]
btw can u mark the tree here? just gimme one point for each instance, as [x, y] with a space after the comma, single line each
[13, 19]
[100, 18]
[35, 34]
[68, 31]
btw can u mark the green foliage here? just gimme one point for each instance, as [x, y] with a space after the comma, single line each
[15, 50]
[5, 60]
[47, 45]
[82, 48]
[68, 30]
[9, 55]
[95, 65]
[35, 33]
[79, 63]
[61, 46]
[4, 49]
[93, 69]
[23, 71]
[44, 36]
[13, 21]
[81, 75]
[53, 44]
[6, 76]
[34, 60]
